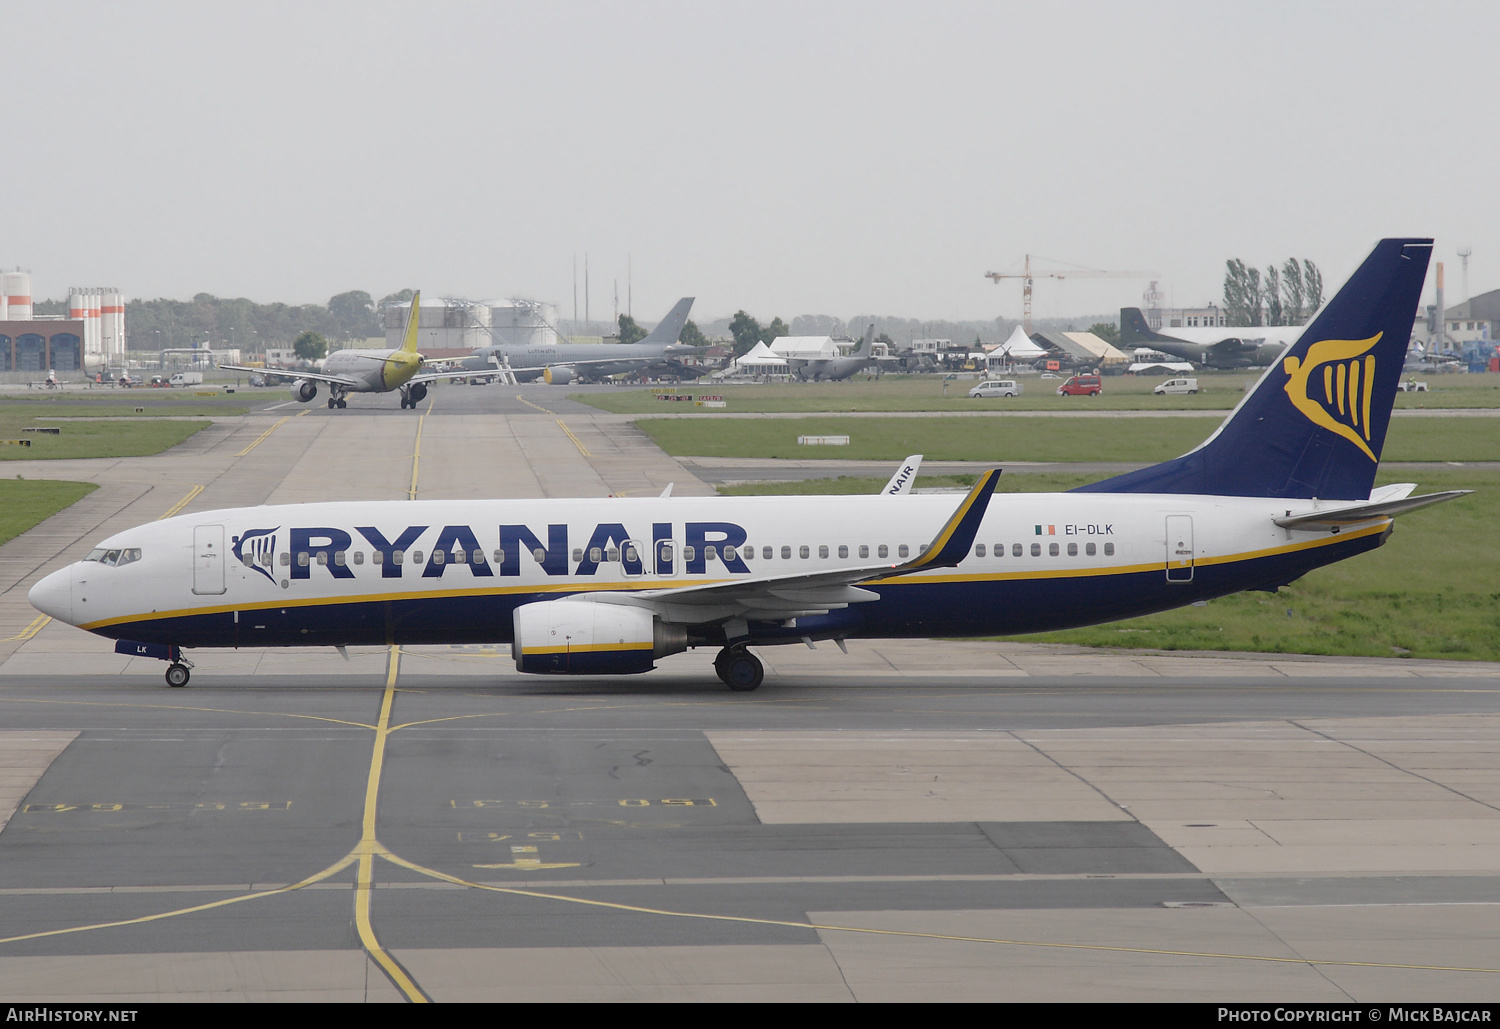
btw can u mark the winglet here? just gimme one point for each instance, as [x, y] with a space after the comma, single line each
[409, 343]
[951, 545]
[900, 483]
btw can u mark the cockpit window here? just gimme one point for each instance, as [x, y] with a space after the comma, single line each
[116, 557]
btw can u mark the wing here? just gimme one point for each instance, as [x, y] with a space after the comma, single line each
[814, 593]
[458, 374]
[287, 373]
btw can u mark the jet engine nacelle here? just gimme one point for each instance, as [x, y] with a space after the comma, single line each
[584, 637]
[417, 391]
[558, 375]
[304, 390]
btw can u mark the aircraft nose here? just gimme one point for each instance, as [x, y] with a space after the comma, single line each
[53, 595]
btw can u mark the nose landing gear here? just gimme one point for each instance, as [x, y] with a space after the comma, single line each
[178, 674]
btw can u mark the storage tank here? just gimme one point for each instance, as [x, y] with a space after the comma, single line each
[16, 287]
[112, 312]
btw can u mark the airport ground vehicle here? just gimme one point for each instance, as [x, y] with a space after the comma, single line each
[186, 379]
[1180, 385]
[997, 388]
[608, 585]
[1081, 386]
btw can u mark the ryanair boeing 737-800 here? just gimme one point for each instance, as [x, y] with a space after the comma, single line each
[608, 585]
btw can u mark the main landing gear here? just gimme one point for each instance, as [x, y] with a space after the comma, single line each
[338, 402]
[739, 669]
[413, 394]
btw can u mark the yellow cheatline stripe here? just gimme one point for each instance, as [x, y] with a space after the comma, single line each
[576, 441]
[181, 503]
[368, 846]
[588, 648]
[264, 436]
[37, 624]
[574, 587]
[1041, 944]
[539, 407]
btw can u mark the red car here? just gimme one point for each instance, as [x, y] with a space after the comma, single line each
[1081, 386]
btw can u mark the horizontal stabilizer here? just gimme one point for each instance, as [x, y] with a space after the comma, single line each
[1332, 518]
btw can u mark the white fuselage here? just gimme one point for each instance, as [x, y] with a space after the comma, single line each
[453, 571]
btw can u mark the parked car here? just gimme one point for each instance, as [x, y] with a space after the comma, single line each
[997, 388]
[1176, 386]
[1081, 386]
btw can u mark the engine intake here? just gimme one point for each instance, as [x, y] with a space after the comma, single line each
[584, 637]
[558, 375]
[304, 390]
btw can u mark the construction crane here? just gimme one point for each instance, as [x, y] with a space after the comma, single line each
[1071, 273]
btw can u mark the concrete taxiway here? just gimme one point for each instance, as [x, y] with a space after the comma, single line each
[912, 820]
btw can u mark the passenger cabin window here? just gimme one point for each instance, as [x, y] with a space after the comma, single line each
[903, 550]
[1088, 548]
[786, 553]
[1036, 550]
[689, 553]
[339, 558]
[1109, 550]
[398, 556]
[630, 554]
[710, 553]
[883, 551]
[1072, 549]
[822, 550]
[864, 550]
[302, 559]
[359, 556]
[416, 557]
[593, 554]
[979, 550]
[286, 558]
[843, 550]
[766, 552]
[729, 553]
[1052, 549]
[438, 557]
[1015, 550]
[377, 557]
[499, 557]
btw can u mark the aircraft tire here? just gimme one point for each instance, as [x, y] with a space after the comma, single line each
[343, 403]
[721, 665]
[743, 672]
[332, 403]
[177, 675]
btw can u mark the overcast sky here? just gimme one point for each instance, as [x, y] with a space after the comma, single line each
[796, 158]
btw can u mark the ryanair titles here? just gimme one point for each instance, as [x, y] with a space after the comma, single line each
[431, 551]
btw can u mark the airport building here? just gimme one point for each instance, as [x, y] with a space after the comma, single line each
[1477, 318]
[461, 325]
[90, 338]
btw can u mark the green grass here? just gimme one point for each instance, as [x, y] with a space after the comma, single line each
[94, 437]
[1221, 391]
[157, 404]
[1028, 439]
[26, 502]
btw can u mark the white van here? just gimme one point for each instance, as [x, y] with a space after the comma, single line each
[1176, 386]
[997, 388]
[187, 379]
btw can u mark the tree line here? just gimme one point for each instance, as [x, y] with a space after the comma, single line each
[1285, 296]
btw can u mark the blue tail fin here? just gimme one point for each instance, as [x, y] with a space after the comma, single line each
[1315, 423]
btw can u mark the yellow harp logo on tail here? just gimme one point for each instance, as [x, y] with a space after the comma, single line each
[1336, 398]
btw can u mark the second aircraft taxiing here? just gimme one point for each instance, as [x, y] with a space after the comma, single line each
[609, 585]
